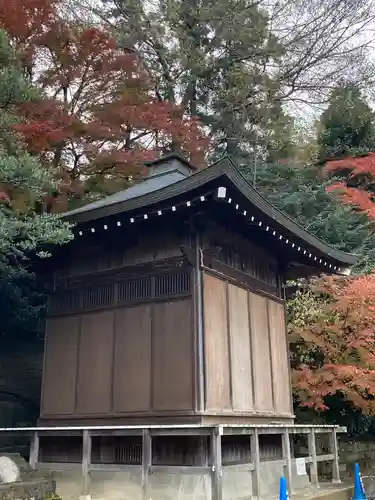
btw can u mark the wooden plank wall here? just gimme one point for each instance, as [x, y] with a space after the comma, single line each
[125, 360]
[246, 357]
[99, 256]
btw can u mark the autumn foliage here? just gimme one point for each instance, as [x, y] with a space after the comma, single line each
[333, 324]
[361, 175]
[97, 119]
[337, 343]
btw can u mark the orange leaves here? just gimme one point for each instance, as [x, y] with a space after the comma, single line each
[356, 385]
[83, 56]
[358, 165]
[45, 124]
[101, 119]
[341, 343]
[362, 171]
[344, 334]
[24, 19]
[359, 198]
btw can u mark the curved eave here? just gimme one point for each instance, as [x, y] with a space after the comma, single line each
[225, 170]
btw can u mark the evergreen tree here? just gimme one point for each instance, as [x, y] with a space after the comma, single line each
[235, 63]
[301, 192]
[347, 126]
[25, 234]
[211, 59]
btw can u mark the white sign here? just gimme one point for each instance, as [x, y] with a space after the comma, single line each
[301, 466]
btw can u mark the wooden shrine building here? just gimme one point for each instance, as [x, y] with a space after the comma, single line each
[167, 309]
[168, 305]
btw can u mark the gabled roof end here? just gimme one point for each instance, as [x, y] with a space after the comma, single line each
[170, 162]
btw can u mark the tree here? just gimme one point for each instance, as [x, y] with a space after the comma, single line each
[25, 234]
[327, 321]
[238, 80]
[101, 120]
[347, 125]
[302, 191]
[332, 324]
[357, 190]
[209, 69]
[333, 338]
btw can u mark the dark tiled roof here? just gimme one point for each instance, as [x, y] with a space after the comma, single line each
[177, 179]
[149, 185]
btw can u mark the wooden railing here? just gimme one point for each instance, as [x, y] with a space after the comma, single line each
[212, 461]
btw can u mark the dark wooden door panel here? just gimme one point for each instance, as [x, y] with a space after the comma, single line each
[172, 355]
[60, 365]
[95, 363]
[132, 359]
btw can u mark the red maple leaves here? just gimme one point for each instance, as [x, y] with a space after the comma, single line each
[341, 344]
[361, 170]
[357, 165]
[344, 334]
[98, 118]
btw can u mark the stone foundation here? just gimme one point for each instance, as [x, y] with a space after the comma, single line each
[127, 485]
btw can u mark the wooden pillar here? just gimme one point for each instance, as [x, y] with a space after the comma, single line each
[86, 463]
[216, 461]
[34, 450]
[255, 458]
[335, 453]
[287, 456]
[203, 456]
[146, 463]
[314, 462]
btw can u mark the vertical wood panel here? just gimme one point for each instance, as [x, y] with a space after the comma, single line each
[132, 359]
[172, 355]
[216, 344]
[59, 377]
[240, 349]
[95, 363]
[280, 361]
[261, 356]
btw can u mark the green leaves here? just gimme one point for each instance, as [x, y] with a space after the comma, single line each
[15, 88]
[25, 233]
[301, 193]
[212, 57]
[24, 172]
[347, 126]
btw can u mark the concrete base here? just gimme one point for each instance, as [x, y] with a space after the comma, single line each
[237, 484]
[126, 486]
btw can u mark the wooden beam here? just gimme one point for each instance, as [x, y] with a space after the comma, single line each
[60, 466]
[113, 433]
[86, 463]
[216, 462]
[146, 463]
[314, 463]
[34, 450]
[199, 325]
[255, 458]
[263, 428]
[320, 458]
[115, 468]
[335, 452]
[176, 469]
[287, 455]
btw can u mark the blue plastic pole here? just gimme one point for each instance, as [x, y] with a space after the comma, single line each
[283, 489]
[359, 490]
